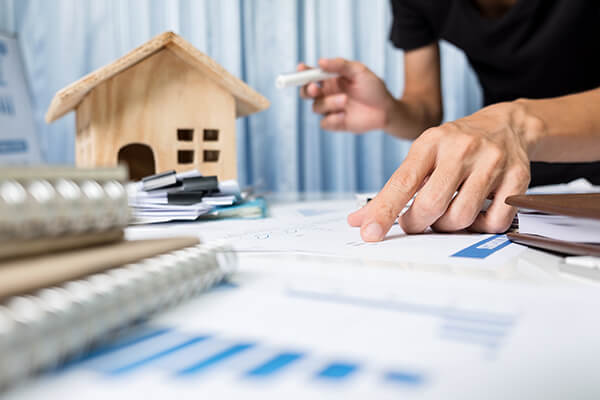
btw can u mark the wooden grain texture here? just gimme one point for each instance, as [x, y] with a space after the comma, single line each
[26, 275]
[247, 100]
[147, 104]
[84, 155]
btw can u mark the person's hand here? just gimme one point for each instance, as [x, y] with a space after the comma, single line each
[481, 156]
[356, 101]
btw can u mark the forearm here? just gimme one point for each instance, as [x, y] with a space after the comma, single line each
[563, 129]
[410, 116]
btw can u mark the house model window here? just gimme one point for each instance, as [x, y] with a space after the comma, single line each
[185, 135]
[185, 157]
[211, 135]
[211, 156]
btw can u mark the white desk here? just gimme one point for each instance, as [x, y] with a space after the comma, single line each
[314, 225]
[338, 320]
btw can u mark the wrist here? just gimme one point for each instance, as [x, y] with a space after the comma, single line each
[390, 111]
[530, 128]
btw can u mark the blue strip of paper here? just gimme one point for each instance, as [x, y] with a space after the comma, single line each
[484, 248]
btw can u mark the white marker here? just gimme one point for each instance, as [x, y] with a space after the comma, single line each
[302, 78]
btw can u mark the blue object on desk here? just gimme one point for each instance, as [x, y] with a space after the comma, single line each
[404, 378]
[251, 209]
[136, 364]
[337, 371]
[216, 359]
[484, 248]
[274, 365]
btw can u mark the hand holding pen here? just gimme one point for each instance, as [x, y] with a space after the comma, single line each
[350, 97]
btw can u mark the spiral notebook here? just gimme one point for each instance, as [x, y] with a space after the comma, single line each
[47, 208]
[57, 306]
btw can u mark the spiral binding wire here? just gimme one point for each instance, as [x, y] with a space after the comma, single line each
[38, 207]
[45, 329]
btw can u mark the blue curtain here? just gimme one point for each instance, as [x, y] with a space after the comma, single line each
[281, 149]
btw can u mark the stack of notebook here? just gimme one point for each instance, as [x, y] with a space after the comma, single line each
[68, 279]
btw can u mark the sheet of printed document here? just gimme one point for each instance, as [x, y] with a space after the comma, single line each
[321, 228]
[326, 330]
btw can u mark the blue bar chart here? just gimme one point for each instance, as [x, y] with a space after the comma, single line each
[145, 349]
[275, 365]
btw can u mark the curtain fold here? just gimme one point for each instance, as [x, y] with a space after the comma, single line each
[281, 149]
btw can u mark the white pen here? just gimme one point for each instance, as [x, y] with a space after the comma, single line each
[302, 78]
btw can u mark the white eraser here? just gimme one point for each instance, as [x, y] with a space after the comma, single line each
[302, 78]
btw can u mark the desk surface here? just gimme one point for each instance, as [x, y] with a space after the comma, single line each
[314, 225]
[312, 313]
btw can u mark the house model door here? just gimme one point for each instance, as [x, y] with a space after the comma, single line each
[139, 158]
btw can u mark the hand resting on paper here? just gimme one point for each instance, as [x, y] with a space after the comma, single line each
[479, 156]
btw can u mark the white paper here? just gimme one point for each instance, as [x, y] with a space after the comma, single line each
[581, 185]
[320, 228]
[560, 227]
[18, 139]
[443, 338]
[229, 188]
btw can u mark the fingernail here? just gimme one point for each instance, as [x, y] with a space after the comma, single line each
[373, 232]
[340, 100]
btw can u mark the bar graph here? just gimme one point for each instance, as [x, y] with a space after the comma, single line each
[274, 365]
[152, 357]
[146, 348]
[403, 378]
[337, 371]
[480, 328]
[215, 359]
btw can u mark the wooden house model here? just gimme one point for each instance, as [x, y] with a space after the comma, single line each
[163, 106]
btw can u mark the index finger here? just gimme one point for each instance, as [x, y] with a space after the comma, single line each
[378, 216]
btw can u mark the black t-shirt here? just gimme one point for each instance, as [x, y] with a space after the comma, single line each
[538, 49]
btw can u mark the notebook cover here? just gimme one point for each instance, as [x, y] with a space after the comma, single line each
[25, 275]
[44, 245]
[586, 205]
[52, 173]
[557, 246]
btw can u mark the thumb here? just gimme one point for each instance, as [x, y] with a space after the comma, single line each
[341, 66]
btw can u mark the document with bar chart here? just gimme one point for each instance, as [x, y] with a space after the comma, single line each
[309, 330]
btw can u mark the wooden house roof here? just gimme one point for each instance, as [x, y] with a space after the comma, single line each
[247, 100]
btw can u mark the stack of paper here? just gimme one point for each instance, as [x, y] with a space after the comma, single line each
[560, 227]
[565, 212]
[566, 222]
[180, 196]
